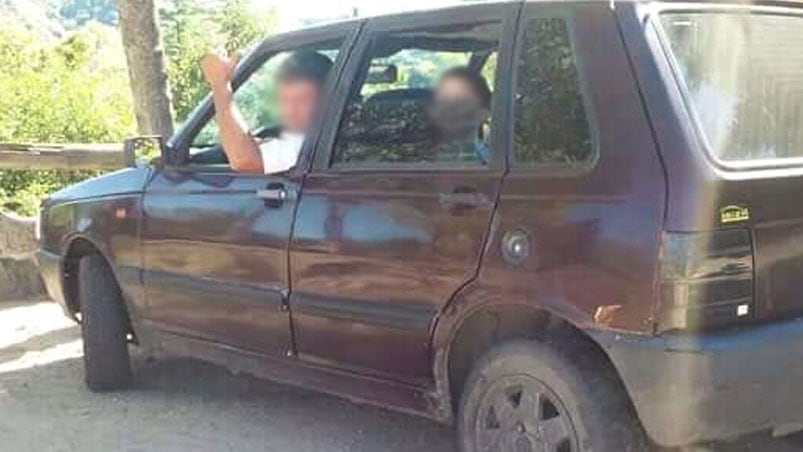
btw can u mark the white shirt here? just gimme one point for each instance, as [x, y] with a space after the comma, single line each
[281, 154]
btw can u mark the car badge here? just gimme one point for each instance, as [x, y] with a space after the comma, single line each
[734, 214]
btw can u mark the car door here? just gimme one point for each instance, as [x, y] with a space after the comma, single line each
[390, 226]
[214, 241]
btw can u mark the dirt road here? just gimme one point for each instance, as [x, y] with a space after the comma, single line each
[184, 405]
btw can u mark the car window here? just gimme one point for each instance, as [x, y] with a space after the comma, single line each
[551, 124]
[743, 74]
[256, 100]
[399, 112]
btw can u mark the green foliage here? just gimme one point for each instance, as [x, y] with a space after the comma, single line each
[21, 191]
[73, 92]
[185, 27]
[241, 24]
[76, 91]
[190, 29]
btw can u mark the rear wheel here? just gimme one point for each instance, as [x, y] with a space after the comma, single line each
[525, 396]
[104, 327]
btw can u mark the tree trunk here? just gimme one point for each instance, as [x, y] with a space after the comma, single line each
[146, 66]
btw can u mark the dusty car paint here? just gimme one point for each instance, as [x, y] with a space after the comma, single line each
[360, 282]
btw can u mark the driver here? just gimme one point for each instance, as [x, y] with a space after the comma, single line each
[299, 85]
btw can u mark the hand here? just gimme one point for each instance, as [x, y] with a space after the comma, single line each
[218, 69]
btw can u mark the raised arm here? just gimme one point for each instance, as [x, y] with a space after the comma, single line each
[240, 147]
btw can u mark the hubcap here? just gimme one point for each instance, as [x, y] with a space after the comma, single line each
[520, 414]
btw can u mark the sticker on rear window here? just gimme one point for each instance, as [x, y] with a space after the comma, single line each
[734, 214]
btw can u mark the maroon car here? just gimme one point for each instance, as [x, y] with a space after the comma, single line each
[619, 263]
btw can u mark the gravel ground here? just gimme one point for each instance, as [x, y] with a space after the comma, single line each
[180, 404]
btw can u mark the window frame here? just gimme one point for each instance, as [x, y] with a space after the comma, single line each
[180, 143]
[505, 13]
[566, 13]
[665, 48]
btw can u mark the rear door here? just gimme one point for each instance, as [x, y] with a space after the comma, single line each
[391, 224]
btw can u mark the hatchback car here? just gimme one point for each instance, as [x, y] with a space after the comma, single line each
[623, 268]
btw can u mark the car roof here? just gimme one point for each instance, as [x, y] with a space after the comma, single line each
[458, 6]
[740, 3]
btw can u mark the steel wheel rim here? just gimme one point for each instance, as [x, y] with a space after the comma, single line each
[519, 413]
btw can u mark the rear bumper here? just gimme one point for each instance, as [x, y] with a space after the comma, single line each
[688, 389]
[51, 265]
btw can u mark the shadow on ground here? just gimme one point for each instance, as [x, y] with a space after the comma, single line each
[180, 404]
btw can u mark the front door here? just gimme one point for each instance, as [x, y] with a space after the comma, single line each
[395, 211]
[215, 241]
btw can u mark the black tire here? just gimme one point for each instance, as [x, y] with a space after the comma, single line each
[559, 397]
[104, 327]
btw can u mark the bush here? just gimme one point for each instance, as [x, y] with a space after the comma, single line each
[74, 92]
[78, 91]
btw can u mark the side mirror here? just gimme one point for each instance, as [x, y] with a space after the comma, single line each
[148, 149]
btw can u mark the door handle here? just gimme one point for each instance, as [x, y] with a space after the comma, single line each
[463, 199]
[272, 194]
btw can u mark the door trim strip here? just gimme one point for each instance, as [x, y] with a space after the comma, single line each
[211, 286]
[405, 316]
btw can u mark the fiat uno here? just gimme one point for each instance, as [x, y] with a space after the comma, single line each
[625, 267]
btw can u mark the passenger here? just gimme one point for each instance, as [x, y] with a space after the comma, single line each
[461, 105]
[299, 84]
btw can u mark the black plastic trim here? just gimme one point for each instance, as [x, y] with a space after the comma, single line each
[209, 286]
[407, 316]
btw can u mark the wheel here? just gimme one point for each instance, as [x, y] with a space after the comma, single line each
[526, 396]
[104, 327]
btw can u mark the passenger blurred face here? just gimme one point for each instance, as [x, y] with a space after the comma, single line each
[298, 99]
[455, 89]
[457, 109]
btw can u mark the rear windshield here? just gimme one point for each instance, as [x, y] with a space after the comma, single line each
[744, 78]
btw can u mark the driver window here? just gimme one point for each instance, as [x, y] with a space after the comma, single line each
[257, 101]
[423, 98]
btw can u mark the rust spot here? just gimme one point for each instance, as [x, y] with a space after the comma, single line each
[604, 315]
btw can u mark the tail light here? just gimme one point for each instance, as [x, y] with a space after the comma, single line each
[706, 280]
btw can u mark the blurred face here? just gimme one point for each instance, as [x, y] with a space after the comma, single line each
[457, 90]
[457, 109]
[298, 100]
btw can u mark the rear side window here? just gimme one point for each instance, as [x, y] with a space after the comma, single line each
[551, 123]
[743, 74]
[422, 98]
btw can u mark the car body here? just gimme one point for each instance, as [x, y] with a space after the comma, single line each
[384, 284]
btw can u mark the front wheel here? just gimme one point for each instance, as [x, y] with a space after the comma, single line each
[526, 396]
[104, 327]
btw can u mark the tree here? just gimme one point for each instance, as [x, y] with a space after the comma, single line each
[192, 28]
[189, 31]
[146, 66]
[75, 91]
[241, 24]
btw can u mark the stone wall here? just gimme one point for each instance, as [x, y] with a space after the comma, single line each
[19, 273]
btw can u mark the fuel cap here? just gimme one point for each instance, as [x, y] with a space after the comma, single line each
[515, 246]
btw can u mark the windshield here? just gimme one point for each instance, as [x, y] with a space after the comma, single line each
[744, 77]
